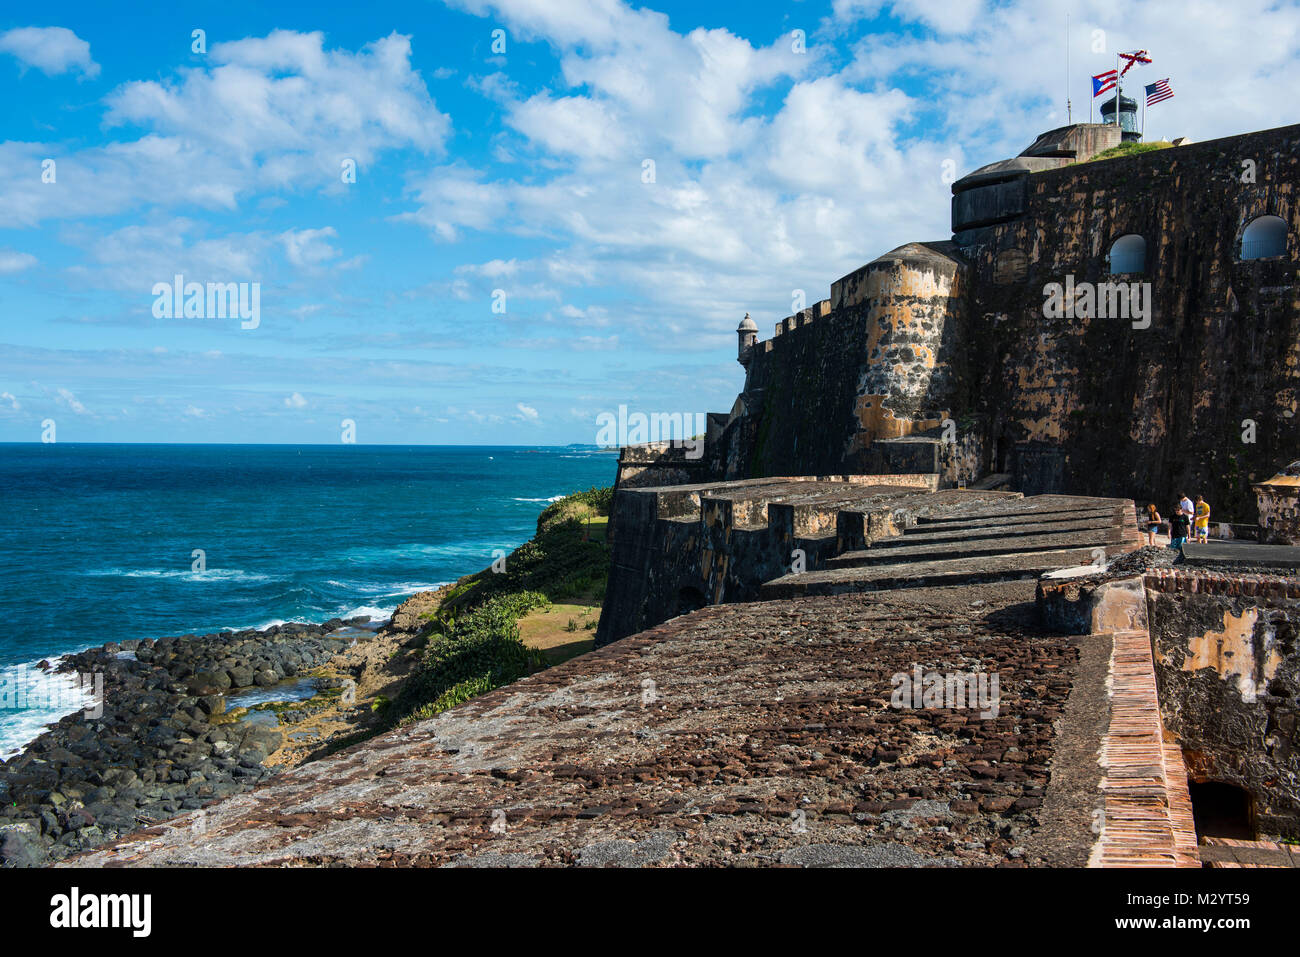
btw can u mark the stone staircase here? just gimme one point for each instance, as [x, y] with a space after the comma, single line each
[976, 542]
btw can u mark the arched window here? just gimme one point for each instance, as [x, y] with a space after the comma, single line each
[1128, 254]
[1264, 237]
[1012, 266]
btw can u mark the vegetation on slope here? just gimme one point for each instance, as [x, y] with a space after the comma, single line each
[473, 639]
[1131, 148]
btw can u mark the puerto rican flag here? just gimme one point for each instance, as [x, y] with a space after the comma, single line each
[1159, 90]
[1103, 82]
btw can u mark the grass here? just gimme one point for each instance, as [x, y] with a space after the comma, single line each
[495, 627]
[1131, 148]
[547, 630]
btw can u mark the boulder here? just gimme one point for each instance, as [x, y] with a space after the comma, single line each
[21, 846]
[208, 683]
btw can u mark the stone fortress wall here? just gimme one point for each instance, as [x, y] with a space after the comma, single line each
[941, 360]
[955, 332]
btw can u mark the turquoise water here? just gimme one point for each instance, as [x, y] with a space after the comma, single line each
[97, 542]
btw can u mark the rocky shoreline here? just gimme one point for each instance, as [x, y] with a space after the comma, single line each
[169, 735]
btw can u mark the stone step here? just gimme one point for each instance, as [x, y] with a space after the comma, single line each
[1038, 507]
[917, 535]
[957, 571]
[927, 525]
[1004, 545]
[992, 481]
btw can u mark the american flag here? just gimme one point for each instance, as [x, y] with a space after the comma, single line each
[1159, 90]
[1103, 82]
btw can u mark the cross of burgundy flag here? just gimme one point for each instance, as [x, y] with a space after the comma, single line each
[1134, 58]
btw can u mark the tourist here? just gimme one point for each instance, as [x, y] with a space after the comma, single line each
[1153, 522]
[1178, 525]
[1202, 520]
[1185, 506]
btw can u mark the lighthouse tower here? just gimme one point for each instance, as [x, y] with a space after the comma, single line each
[1128, 116]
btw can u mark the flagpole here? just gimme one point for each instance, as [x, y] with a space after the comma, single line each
[1119, 92]
[1069, 113]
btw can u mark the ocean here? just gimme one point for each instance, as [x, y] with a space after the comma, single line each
[103, 543]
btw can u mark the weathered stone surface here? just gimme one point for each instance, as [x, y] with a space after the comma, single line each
[1228, 666]
[678, 548]
[741, 734]
[682, 547]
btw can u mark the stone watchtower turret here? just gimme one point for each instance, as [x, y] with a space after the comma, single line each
[747, 332]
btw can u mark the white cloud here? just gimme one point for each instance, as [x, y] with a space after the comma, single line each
[494, 269]
[133, 258]
[284, 98]
[70, 401]
[575, 344]
[1236, 84]
[597, 22]
[13, 402]
[308, 247]
[451, 197]
[268, 114]
[753, 200]
[577, 125]
[942, 16]
[648, 91]
[52, 50]
[12, 261]
[527, 412]
[296, 401]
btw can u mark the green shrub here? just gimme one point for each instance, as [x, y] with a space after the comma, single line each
[557, 561]
[456, 694]
[473, 636]
[594, 501]
[478, 651]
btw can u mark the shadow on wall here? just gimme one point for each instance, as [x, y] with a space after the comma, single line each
[690, 599]
[1222, 810]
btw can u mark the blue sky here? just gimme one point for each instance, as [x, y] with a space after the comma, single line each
[513, 177]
